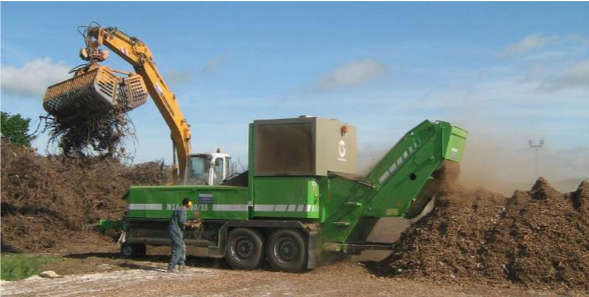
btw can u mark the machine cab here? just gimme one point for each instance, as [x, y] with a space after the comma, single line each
[208, 169]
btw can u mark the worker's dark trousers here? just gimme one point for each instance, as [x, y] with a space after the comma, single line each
[178, 251]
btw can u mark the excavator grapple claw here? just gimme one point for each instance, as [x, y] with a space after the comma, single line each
[96, 91]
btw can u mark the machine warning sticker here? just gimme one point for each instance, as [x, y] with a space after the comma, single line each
[205, 198]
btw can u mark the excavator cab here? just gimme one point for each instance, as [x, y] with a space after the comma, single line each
[208, 169]
[95, 90]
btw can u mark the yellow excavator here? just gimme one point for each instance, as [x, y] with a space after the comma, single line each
[95, 89]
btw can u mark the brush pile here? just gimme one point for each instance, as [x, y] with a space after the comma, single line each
[51, 202]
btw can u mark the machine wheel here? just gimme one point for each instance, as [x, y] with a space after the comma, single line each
[245, 249]
[129, 250]
[287, 250]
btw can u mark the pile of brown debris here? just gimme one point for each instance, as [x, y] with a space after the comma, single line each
[535, 238]
[50, 202]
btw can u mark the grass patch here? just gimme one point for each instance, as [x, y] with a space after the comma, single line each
[21, 266]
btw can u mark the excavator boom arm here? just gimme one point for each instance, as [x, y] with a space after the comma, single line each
[136, 53]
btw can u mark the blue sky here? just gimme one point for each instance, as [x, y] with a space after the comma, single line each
[506, 72]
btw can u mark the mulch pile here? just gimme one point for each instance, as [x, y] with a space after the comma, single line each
[51, 202]
[537, 239]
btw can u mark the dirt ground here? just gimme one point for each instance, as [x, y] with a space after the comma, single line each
[103, 274]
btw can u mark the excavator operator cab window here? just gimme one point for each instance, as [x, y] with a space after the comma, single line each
[228, 169]
[218, 170]
[198, 169]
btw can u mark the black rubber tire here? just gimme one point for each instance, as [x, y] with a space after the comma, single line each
[245, 249]
[141, 250]
[287, 250]
[128, 250]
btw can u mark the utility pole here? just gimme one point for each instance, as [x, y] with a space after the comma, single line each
[536, 147]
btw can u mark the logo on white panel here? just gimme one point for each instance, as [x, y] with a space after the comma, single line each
[342, 151]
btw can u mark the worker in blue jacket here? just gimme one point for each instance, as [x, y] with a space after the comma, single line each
[177, 226]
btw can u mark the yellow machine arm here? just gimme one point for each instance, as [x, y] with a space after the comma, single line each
[136, 53]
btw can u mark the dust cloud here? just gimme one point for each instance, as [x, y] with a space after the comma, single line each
[500, 160]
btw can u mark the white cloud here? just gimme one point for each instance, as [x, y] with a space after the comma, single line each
[181, 76]
[352, 74]
[213, 64]
[528, 44]
[575, 76]
[32, 79]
